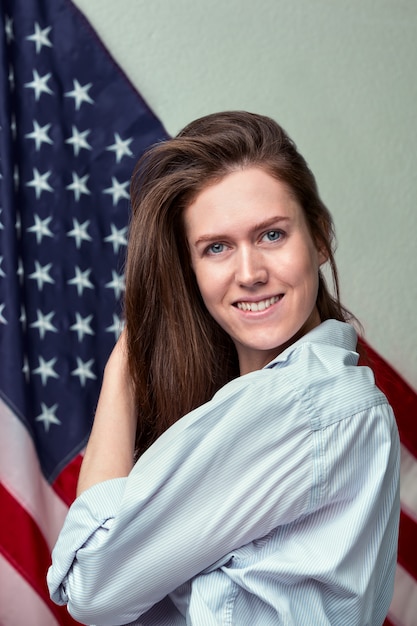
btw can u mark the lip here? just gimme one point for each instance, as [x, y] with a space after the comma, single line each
[258, 305]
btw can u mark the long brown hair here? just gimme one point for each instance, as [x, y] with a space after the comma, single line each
[178, 355]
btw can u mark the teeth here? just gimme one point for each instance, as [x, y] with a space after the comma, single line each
[257, 306]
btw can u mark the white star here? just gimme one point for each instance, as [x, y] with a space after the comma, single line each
[39, 85]
[83, 371]
[81, 280]
[22, 318]
[117, 237]
[16, 177]
[117, 284]
[25, 368]
[40, 134]
[18, 225]
[121, 147]
[79, 93]
[48, 416]
[1, 224]
[79, 232]
[2, 318]
[40, 228]
[8, 27]
[116, 327]
[11, 78]
[43, 323]
[82, 326]
[41, 274]
[13, 127]
[78, 140]
[20, 271]
[1, 271]
[40, 182]
[40, 37]
[78, 185]
[46, 370]
[117, 190]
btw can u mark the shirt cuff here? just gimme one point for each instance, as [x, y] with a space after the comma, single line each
[94, 509]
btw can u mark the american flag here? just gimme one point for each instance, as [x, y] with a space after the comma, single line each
[71, 128]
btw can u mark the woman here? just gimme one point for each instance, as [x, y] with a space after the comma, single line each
[265, 489]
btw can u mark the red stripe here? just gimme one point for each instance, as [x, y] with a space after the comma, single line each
[401, 396]
[65, 484]
[407, 555]
[23, 545]
[403, 400]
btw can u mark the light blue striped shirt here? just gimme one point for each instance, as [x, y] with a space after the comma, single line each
[276, 503]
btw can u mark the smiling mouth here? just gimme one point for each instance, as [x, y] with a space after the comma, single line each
[258, 306]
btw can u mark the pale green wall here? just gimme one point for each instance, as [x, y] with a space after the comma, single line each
[341, 78]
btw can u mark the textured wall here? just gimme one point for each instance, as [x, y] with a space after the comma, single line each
[340, 77]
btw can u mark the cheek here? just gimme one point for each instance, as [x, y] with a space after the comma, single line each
[299, 264]
[206, 281]
[305, 270]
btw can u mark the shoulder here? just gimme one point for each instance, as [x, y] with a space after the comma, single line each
[323, 367]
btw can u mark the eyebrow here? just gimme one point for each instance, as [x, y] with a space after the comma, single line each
[260, 226]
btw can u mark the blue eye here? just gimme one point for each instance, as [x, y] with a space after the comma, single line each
[215, 248]
[273, 235]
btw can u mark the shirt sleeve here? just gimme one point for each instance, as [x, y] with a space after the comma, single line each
[225, 474]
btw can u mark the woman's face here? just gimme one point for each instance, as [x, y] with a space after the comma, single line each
[255, 263]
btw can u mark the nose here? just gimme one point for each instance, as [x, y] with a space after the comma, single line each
[251, 269]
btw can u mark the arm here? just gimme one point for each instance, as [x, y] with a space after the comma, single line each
[109, 452]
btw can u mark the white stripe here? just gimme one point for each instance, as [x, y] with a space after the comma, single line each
[408, 491]
[21, 475]
[403, 609]
[19, 602]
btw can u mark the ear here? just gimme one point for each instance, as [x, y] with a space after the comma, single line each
[323, 257]
[323, 241]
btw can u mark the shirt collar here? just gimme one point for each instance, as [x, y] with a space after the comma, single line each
[331, 332]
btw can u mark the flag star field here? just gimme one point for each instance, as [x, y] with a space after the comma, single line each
[72, 128]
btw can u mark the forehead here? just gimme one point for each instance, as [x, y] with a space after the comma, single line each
[248, 195]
